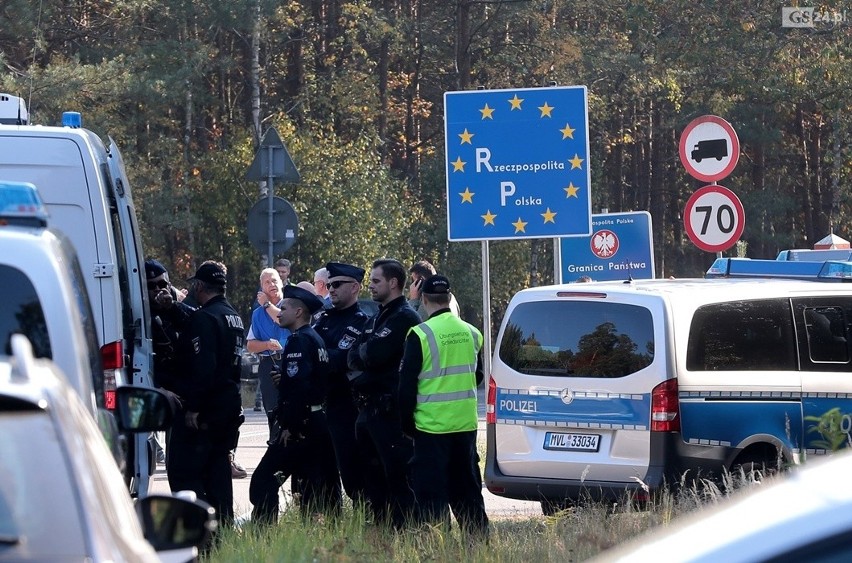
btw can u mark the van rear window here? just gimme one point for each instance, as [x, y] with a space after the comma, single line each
[578, 339]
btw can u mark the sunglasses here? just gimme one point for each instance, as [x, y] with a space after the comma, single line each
[338, 283]
[162, 284]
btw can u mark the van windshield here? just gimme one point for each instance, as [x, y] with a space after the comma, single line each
[578, 339]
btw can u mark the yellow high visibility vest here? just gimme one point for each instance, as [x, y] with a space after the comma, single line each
[446, 386]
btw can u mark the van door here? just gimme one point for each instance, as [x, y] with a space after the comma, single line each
[825, 356]
[134, 294]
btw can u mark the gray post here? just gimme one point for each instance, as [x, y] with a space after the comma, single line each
[269, 193]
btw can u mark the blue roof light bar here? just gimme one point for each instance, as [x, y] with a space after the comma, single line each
[832, 270]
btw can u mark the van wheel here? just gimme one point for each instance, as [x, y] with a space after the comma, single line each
[553, 507]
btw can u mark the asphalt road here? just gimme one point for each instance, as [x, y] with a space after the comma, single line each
[252, 445]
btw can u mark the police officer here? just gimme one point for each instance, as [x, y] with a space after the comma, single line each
[375, 380]
[300, 443]
[209, 351]
[168, 318]
[339, 328]
[437, 400]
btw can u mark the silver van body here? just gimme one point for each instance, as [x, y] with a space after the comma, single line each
[86, 192]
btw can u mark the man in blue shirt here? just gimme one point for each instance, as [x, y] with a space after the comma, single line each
[266, 338]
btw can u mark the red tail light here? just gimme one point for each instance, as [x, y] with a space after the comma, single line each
[491, 401]
[665, 409]
[112, 358]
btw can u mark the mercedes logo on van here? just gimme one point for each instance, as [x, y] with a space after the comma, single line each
[567, 396]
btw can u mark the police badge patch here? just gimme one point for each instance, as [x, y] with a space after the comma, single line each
[292, 369]
[196, 344]
[384, 332]
[346, 342]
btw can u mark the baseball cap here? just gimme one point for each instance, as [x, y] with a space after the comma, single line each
[211, 273]
[153, 269]
[436, 285]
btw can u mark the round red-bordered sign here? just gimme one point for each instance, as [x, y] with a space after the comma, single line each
[714, 218]
[709, 148]
[604, 244]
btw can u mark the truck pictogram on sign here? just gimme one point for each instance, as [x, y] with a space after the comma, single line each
[710, 148]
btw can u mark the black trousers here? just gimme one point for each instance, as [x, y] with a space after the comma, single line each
[446, 475]
[387, 452]
[342, 414]
[199, 461]
[309, 457]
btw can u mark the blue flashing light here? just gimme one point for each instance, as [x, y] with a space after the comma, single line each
[72, 119]
[835, 270]
[20, 204]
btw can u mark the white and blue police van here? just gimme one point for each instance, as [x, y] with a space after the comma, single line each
[87, 195]
[604, 388]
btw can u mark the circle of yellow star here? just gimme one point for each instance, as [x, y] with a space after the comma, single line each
[576, 161]
[466, 137]
[545, 110]
[516, 102]
[487, 112]
[519, 225]
[571, 190]
[458, 164]
[549, 216]
[467, 196]
[488, 217]
[567, 133]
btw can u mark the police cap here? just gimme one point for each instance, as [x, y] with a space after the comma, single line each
[210, 273]
[153, 269]
[311, 301]
[341, 270]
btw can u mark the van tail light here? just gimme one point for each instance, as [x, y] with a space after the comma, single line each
[112, 358]
[490, 412]
[665, 408]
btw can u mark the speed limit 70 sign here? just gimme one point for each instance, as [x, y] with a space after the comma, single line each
[714, 218]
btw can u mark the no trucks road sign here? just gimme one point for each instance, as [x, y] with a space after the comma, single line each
[709, 148]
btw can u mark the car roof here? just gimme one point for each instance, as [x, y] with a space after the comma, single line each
[806, 506]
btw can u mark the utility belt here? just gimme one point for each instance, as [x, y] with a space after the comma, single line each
[379, 403]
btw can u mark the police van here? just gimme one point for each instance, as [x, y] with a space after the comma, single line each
[87, 195]
[602, 388]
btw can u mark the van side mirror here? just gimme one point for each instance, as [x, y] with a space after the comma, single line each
[142, 409]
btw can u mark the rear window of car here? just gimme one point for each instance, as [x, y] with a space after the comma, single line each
[578, 339]
[22, 313]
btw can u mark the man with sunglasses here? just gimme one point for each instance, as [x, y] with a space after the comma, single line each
[339, 327]
[168, 318]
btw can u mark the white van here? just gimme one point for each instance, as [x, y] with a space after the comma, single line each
[85, 189]
[601, 388]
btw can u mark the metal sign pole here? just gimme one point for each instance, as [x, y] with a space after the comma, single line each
[486, 312]
[557, 260]
[270, 258]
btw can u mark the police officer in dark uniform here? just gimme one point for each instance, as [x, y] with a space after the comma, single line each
[209, 351]
[374, 362]
[300, 443]
[339, 327]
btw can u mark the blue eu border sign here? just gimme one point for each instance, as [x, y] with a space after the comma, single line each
[517, 163]
[621, 246]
